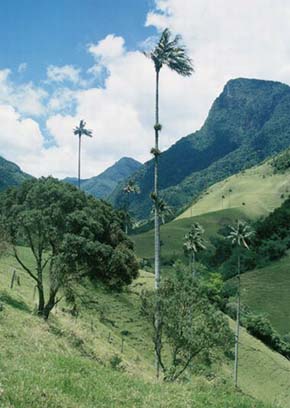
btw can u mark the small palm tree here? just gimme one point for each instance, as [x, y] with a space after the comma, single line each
[239, 235]
[171, 53]
[193, 243]
[80, 131]
[130, 188]
[164, 210]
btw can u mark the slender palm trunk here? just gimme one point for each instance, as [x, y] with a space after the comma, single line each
[237, 335]
[157, 230]
[193, 270]
[79, 163]
[127, 214]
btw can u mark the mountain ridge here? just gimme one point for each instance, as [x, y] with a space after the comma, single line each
[102, 185]
[11, 174]
[237, 134]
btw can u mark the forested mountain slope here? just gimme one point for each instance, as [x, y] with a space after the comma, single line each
[102, 185]
[247, 123]
[10, 174]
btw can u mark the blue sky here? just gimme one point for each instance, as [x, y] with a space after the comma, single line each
[46, 32]
[66, 60]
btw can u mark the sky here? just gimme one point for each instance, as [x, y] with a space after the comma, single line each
[66, 60]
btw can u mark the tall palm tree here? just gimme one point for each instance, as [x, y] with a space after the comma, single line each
[80, 131]
[130, 188]
[193, 243]
[239, 235]
[172, 53]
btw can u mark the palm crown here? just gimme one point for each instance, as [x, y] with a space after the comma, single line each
[194, 240]
[171, 53]
[81, 130]
[131, 187]
[240, 233]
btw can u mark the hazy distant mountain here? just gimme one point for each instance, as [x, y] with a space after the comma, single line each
[247, 123]
[101, 186]
[11, 174]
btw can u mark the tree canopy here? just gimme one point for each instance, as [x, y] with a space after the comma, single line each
[71, 235]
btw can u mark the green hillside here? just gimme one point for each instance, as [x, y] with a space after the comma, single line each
[101, 186]
[247, 123]
[266, 291]
[68, 361]
[255, 192]
[172, 233]
[10, 174]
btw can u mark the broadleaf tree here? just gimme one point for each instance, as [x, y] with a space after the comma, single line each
[70, 236]
[192, 327]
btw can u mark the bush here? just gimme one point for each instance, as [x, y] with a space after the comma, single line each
[260, 327]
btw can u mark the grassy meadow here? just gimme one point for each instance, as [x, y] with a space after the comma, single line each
[71, 362]
[254, 192]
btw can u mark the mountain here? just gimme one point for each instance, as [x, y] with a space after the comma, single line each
[11, 174]
[246, 124]
[101, 186]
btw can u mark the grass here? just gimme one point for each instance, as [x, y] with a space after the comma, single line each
[258, 188]
[66, 362]
[172, 233]
[266, 291]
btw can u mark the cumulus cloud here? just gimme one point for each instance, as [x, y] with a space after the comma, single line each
[228, 40]
[26, 98]
[63, 73]
[108, 49]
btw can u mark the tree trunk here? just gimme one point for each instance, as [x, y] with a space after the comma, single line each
[127, 214]
[157, 229]
[79, 164]
[156, 215]
[41, 301]
[193, 270]
[237, 335]
[50, 304]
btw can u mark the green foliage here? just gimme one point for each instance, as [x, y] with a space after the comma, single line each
[191, 326]
[69, 234]
[281, 163]
[260, 327]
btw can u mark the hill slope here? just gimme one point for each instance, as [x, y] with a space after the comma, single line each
[101, 186]
[266, 291]
[247, 123]
[255, 192]
[10, 174]
[65, 363]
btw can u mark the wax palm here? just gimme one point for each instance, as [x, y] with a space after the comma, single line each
[130, 188]
[171, 53]
[164, 210]
[239, 236]
[80, 131]
[193, 243]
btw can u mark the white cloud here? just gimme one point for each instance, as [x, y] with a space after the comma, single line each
[63, 73]
[26, 98]
[19, 137]
[108, 49]
[227, 40]
[22, 67]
